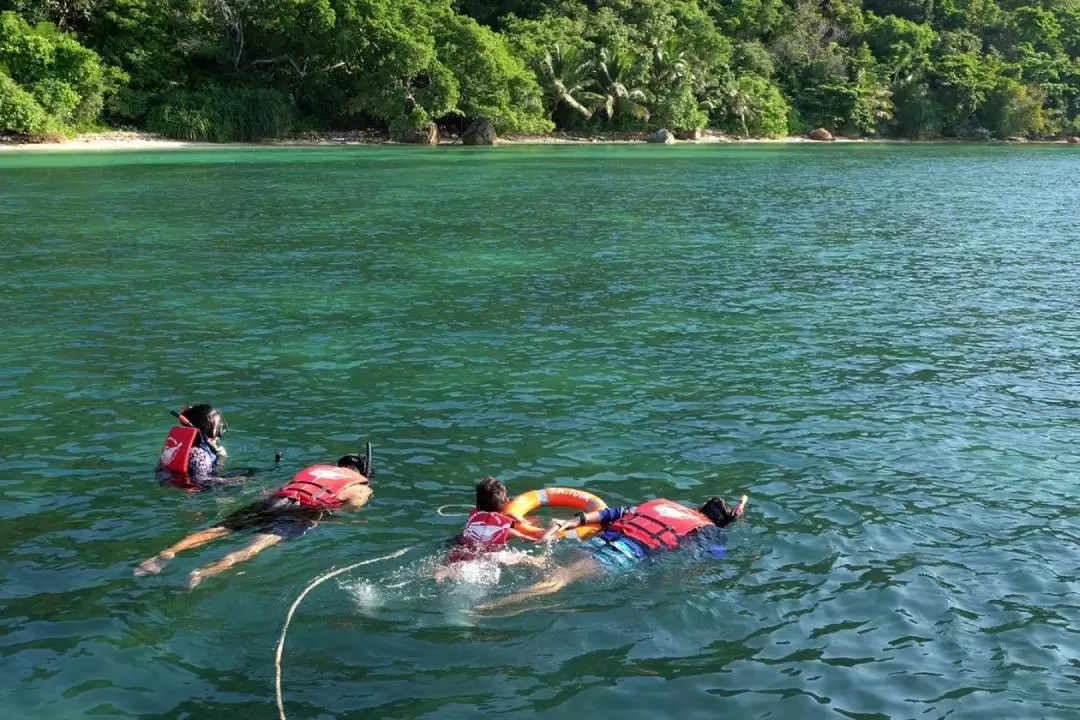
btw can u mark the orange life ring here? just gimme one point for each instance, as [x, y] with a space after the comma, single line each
[525, 503]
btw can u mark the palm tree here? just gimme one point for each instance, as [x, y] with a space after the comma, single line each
[670, 65]
[737, 101]
[566, 77]
[612, 75]
[726, 96]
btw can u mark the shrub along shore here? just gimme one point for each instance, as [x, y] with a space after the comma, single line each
[226, 71]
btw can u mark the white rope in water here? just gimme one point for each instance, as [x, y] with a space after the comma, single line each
[454, 514]
[288, 618]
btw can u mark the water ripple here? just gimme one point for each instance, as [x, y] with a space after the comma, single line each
[876, 342]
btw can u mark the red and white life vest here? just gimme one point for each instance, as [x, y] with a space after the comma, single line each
[320, 486]
[486, 529]
[177, 450]
[660, 523]
[484, 532]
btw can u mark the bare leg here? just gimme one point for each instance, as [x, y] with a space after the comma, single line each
[517, 558]
[260, 543]
[552, 584]
[153, 565]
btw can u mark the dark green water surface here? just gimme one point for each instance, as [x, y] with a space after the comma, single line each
[880, 344]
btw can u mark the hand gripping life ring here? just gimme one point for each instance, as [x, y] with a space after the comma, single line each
[525, 503]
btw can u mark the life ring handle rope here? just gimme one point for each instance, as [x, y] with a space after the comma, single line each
[566, 497]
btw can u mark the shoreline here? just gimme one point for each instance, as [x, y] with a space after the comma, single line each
[136, 140]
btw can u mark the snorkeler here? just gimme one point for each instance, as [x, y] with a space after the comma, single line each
[193, 451]
[293, 510]
[487, 532]
[631, 535]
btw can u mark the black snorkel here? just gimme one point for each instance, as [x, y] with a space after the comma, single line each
[367, 470]
[187, 423]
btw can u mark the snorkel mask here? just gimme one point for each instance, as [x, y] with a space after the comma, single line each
[360, 462]
[212, 434]
[718, 511]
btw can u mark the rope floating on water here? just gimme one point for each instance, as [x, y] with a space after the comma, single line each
[296, 603]
[455, 514]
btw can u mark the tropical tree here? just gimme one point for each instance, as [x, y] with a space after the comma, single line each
[65, 80]
[873, 104]
[750, 105]
[613, 83]
[735, 102]
[565, 77]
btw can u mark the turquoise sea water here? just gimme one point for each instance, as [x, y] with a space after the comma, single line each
[879, 344]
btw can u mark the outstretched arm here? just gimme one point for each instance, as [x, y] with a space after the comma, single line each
[596, 517]
[153, 565]
[260, 543]
[518, 535]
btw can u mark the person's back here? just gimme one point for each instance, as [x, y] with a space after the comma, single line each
[487, 533]
[631, 535]
[488, 529]
[289, 513]
[193, 452]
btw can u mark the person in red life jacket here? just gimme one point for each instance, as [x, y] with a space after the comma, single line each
[193, 452]
[289, 513]
[487, 532]
[631, 535]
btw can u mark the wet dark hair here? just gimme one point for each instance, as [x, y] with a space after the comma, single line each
[718, 511]
[355, 461]
[491, 495]
[207, 419]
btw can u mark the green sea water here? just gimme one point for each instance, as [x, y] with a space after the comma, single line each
[879, 344]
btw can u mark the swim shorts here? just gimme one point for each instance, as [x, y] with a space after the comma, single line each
[283, 517]
[615, 551]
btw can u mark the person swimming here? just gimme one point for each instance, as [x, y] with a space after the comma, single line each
[631, 535]
[193, 454]
[487, 533]
[289, 513]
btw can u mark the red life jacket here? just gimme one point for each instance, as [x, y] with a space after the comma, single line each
[484, 532]
[177, 450]
[319, 486]
[660, 523]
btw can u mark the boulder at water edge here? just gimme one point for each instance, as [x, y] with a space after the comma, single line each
[821, 134]
[428, 135]
[661, 136]
[479, 132]
[1073, 140]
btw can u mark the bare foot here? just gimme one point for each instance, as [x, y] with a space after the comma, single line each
[442, 574]
[154, 565]
[194, 579]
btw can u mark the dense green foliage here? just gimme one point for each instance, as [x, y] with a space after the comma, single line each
[48, 81]
[245, 69]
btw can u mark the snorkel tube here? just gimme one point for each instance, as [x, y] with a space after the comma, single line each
[367, 470]
[183, 420]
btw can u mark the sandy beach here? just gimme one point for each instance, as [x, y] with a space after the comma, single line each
[131, 140]
[134, 140]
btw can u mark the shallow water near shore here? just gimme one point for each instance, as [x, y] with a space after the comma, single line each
[878, 343]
